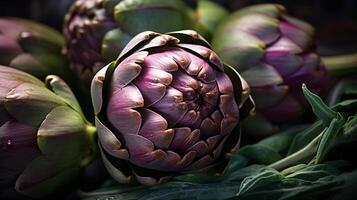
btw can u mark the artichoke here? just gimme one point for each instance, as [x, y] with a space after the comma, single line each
[32, 47]
[210, 14]
[275, 53]
[44, 137]
[97, 30]
[166, 106]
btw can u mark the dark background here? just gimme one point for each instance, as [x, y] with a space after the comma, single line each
[335, 20]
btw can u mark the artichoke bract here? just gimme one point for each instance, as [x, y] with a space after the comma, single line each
[167, 106]
[32, 47]
[97, 30]
[275, 53]
[44, 137]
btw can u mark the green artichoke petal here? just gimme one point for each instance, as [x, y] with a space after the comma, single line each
[271, 10]
[26, 62]
[210, 14]
[113, 41]
[29, 103]
[62, 137]
[262, 75]
[137, 16]
[42, 177]
[8, 74]
[59, 87]
[43, 32]
[241, 51]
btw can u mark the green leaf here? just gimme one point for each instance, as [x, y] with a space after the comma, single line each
[260, 154]
[266, 176]
[328, 139]
[320, 109]
[350, 128]
[305, 137]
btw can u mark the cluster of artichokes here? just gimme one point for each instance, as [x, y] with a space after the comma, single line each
[164, 102]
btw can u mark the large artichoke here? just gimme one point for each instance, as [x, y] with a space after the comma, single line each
[44, 137]
[166, 106]
[275, 53]
[32, 47]
[97, 30]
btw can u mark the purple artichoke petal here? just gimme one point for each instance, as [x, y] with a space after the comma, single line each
[217, 151]
[204, 52]
[154, 128]
[285, 44]
[264, 27]
[300, 24]
[298, 36]
[120, 109]
[191, 119]
[199, 164]
[224, 84]
[309, 72]
[19, 157]
[114, 171]
[275, 92]
[109, 142]
[185, 84]
[228, 123]
[283, 61]
[280, 112]
[160, 40]
[184, 138]
[15, 135]
[97, 88]
[152, 83]
[201, 148]
[124, 74]
[171, 106]
[209, 127]
[168, 60]
[209, 94]
[136, 40]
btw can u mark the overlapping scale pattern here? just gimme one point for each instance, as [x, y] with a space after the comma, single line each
[275, 53]
[170, 107]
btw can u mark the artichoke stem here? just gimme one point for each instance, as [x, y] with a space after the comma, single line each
[91, 132]
[342, 65]
[305, 153]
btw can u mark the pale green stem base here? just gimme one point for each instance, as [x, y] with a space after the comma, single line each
[343, 65]
[307, 152]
